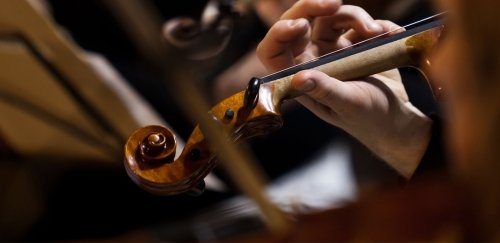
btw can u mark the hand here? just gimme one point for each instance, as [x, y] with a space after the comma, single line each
[375, 110]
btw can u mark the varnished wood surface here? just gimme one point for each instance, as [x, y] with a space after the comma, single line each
[187, 170]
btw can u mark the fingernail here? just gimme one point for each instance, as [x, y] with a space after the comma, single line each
[375, 27]
[307, 85]
[328, 3]
[297, 22]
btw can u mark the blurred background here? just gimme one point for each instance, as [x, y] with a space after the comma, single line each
[73, 86]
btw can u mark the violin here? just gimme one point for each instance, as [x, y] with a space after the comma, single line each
[149, 151]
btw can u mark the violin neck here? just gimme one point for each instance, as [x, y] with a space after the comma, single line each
[409, 48]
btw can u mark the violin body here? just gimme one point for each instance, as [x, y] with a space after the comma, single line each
[256, 111]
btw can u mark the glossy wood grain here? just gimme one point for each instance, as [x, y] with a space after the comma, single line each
[239, 122]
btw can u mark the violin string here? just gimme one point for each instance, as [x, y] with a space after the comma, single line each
[360, 43]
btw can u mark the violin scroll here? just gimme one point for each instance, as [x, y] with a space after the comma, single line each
[149, 151]
[204, 38]
[146, 149]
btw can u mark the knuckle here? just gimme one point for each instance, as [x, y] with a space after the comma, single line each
[387, 24]
[259, 50]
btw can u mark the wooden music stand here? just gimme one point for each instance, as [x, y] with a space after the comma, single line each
[55, 101]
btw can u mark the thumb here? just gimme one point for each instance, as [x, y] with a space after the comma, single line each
[320, 87]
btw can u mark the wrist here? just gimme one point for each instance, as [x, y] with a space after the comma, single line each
[401, 141]
[407, 144]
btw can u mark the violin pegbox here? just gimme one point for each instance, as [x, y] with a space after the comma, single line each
[149, 151]
[256, 111]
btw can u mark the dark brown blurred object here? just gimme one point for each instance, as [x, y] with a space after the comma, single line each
[64, 113]
[433, 210]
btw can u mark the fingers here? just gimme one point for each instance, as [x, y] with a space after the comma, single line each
[311, 9]
[284, 40]
[347, 17]
[329, 32]
[387, 27]
[311, 28]
[289, 37]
